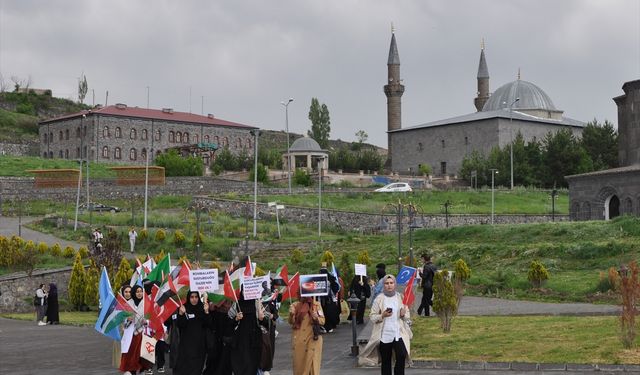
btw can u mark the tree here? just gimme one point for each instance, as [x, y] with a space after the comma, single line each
[445, 303]
[176, 165]
[262, 173]
[345, 268]
[362, 136]
[123, 276]
[563, 156]
[91, 287]
[27, 258]
[110, 253]
[601, 143]
[82, 88]
[320, 123]
[77, 283]
[476, 161]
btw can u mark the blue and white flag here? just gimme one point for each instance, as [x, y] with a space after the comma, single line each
[334, 272]
[404, 275]
[110, 316]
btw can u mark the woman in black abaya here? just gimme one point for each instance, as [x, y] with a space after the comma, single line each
[193, 319]
[53, 314]
[247, 339]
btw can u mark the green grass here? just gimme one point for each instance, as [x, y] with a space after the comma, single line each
[522, 339]
[518, 201]
[15, 127]
[17, 166]
[72, 318]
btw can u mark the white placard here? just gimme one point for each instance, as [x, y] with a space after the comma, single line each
[361, 269]
[204, 280]
[253, 287]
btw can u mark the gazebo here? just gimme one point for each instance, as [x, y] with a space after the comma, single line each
[307, 149]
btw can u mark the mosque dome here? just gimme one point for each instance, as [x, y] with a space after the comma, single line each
[531, 97]
[305, 144]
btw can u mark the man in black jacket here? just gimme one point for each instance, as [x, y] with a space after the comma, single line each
[428, 271]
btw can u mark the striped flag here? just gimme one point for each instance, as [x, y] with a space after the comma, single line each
[293, 289]
[111, 314]
[409, 292]
[282, 276]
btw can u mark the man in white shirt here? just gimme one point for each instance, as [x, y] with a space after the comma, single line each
[132, 238]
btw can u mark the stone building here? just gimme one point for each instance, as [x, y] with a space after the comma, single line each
[517, 106]
[122, 134]
[613, 192]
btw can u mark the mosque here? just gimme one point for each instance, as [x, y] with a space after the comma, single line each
[517, 106]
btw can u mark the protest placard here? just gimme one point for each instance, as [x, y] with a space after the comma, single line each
[203, 280]
[254, 286]
[361, 269]
[314, 285]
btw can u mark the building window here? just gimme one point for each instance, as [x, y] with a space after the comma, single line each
[443, 167]
[105, 132]
[238, 143]
[50, 137]
[143, 136]
[66, 153]
[442, 143]
[158, 135]
[61, 154]
[143, 153]
[172, 136]
[117, 153]
[206, 138]
[84, 131]
[66, 134]
[133, 154]
[118, 132]
[105, 152]
[420, 146]
[77, 152]
[248, 143]
[50, 154]
[466, 140]
[195, 138]
[133, 134]
[216, 140]
[61, 137]
[178, 137]
[46, 138]
[185, 137]
[44, 154]
[84, 152]
[225, 142]
[78, 132]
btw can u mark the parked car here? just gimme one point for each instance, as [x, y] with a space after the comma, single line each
[395, 187]
[99, 207]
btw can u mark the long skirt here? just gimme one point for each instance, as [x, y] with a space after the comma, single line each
[131, 361]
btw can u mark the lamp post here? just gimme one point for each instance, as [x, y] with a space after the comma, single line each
[412, 211]
[554, 194]
[511, 133]
[493, 173]
[286, 114]
[197, 209]
[320, 167]
[277, 207]
[353, 307]
[255, 133]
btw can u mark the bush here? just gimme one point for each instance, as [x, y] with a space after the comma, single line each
[56, 250]
[123, 276]
[143, 235]
[302, 178]
[363, 258]
[425, 169]
[327, 257]
[177, 165]
[77, 284]
[629, 291]
[538, 274]
[159, 256]
[345, 267]
[461, 275]
[160, 235]
[178, 238]
[42, 248]
[68, 252]
[84, 253]
[27, 258]
[297, 257]
[262, 174]
[5, 259]
[198, 238]
[91, 286]
[445, 303]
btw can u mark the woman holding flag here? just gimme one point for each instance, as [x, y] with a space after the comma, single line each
[193, 319]
[391, 330]
[131, 362]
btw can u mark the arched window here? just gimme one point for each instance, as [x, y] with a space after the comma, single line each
[77, 152]
[133, 134]
[172, 136]
[66, 134]
[225, 142]
[118, 132]
[195, 138]
[84, 152]
[158, 135]
[84, 131]
[238, 143]
[248, 143]
[61, 136]
[105, 132]
[144, 135]
[117, 153]
[50, 154]
[46, 138]
[178, 137]
[50, 137]
[133, 154]
[78, 132]
[105, 152]
[216, 140]
[185, 137]
[61, 155]
[206, 138]
[44, 154]
[66, 154]
[143, 153]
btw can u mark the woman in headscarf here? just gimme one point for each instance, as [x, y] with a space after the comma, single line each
[330, 303]
[305, 344]
[125, 292]
[269, 301]
[247, 339]
[361, 289]
[53, 313]
[193, 320]
[391, 331]
[131, 362]
[219, 362]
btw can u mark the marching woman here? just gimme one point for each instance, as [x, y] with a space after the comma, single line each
[306, 342]
[193, 320]
[125, 291]
[246, 343]
[391, 331]
[131, 362]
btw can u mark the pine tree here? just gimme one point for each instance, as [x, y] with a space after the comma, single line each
[91, 284]
[320, 123]
[77, 283]
[123, 275]
[445, 302]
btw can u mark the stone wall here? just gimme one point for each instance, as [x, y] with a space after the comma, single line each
[17, 290]
[19, 149]
[364, 222]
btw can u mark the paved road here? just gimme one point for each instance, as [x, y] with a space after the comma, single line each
[9, 227]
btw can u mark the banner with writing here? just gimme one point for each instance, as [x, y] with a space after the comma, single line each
[255, 286]
[203, 280]
[314, 285]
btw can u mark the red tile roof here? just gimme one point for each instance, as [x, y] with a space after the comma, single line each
[155, 114]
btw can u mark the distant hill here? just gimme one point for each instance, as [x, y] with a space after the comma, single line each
[277, 139]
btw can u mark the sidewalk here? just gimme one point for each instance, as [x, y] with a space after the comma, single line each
[9, 227]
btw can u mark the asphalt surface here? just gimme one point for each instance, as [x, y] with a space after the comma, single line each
[10, 226]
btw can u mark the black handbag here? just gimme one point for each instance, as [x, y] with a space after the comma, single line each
[317, 330]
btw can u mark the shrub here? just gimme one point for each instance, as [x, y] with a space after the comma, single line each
[262, 174]
[425, 169]
[445, 304]
[538, 274]
[27, 258]
[83, 251]
[77, 283]
[91, 284]
[159, 256]
[461, 275]
[160, 235]
[143, 235]
[629, 291]
[42, 248]
[56, 250]
[123, 276]
[297, 257]
[198, 238]
[327, 257]
[68, 252]
[345, 267]
[363, 258]
[178, 238]
[301, 177]
[259, 272]
[4, 252]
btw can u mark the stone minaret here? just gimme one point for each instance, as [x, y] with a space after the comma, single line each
[629, 124]
[393, 90]
[483, 82]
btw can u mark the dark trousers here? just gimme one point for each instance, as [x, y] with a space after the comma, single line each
[161, 349]
[427, 295]
[396, 346]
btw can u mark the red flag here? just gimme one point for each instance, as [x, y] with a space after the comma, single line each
[293, 289]
[172, 286]
[248, 271]
[228, 288]
[123, 304]
[409, 294]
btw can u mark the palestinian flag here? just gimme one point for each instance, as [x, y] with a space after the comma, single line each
[230, 288]
[111, 314]
[293, 289]
[161, 270]
[282, 276]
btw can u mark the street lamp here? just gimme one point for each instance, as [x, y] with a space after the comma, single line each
[255, 133]
[198, 208]
[286, 114]
[320, 167]
[554, 194]
[353, 307]
[412, 211]
[511, 132]
[493, 173]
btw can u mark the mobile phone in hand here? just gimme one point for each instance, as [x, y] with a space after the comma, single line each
[389, 309]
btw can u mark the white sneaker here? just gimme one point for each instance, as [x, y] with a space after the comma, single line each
[41, 323]
[127, 373]
[266, 373]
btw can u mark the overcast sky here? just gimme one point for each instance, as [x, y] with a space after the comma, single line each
[245, 57]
